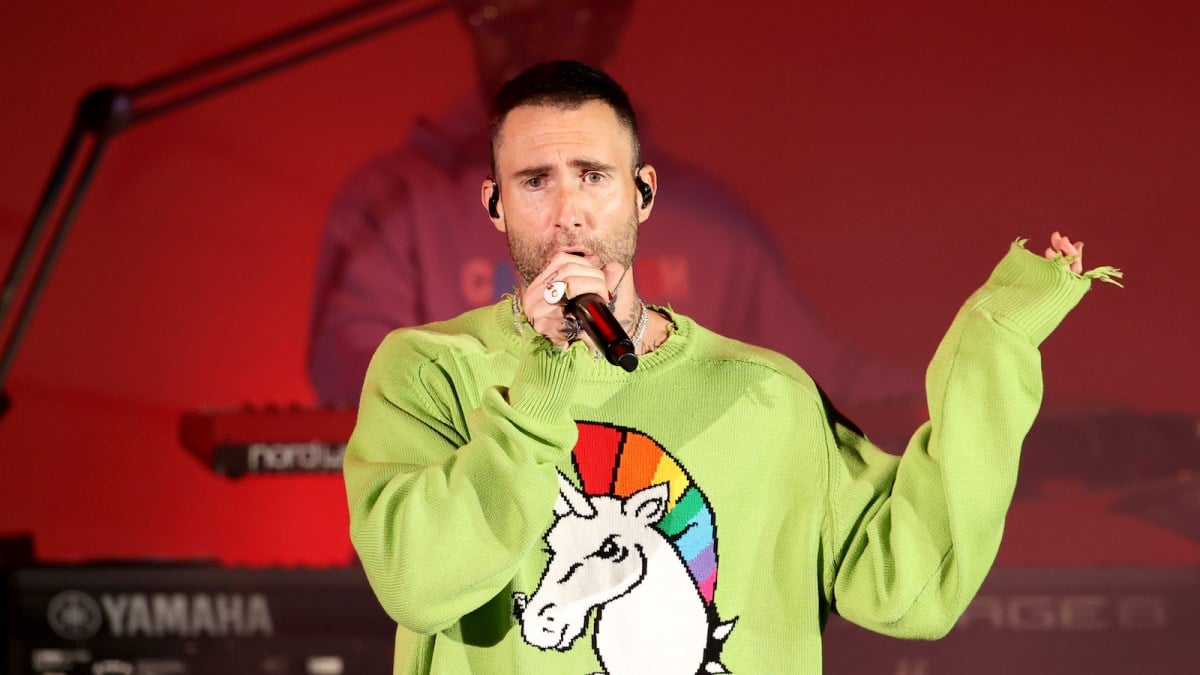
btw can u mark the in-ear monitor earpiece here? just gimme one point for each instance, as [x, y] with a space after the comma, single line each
[642, 186]
[494, 201]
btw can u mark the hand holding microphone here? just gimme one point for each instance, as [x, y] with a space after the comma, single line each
[561, 319]
[598, 322]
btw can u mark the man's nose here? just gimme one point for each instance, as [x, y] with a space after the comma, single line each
[570, 207]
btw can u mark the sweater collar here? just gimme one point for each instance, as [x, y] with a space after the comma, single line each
[597, 369]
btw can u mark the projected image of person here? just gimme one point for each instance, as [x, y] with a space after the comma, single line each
[402, 247]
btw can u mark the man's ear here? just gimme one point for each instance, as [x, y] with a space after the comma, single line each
[489, 196]
[649, 184]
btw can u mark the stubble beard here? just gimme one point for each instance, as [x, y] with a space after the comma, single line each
[531, 257]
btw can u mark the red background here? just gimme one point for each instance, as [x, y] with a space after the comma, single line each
[895, 149]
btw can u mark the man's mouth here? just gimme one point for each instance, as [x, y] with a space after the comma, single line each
[580, 252]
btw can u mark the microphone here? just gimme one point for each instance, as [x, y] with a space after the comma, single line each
[603, 328]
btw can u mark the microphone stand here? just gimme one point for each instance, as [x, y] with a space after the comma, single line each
[107, 111]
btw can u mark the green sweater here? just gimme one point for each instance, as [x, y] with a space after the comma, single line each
[526, 509]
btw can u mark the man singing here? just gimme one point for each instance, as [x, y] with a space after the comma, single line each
[528, 507]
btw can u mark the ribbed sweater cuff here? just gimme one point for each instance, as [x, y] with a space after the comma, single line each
[1033, 293]
[545, 380]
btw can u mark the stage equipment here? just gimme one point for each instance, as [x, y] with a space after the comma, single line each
[106, 111]
[155, 618]
[235, 442]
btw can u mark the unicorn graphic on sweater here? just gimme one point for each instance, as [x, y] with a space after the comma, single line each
[638, 544]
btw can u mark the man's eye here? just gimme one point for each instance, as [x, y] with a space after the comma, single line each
[593, 177]
[534, 182]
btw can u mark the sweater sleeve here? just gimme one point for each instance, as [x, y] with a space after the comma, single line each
[445, 503]
[911, 538]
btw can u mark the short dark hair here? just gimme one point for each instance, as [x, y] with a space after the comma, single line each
[562, 84]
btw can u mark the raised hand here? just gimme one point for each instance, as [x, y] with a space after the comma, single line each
[581, 276]
[1061, 244]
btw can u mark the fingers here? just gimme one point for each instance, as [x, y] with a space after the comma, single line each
[1065, 245]
[1061, 244]
[579, 276]
[566, 276]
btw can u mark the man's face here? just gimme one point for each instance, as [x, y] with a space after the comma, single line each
[566, 184]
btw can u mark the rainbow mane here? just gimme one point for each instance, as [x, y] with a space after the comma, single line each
[618, 461]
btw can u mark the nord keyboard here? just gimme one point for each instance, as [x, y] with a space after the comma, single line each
[236, 442]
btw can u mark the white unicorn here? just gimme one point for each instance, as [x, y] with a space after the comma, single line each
[605, 552]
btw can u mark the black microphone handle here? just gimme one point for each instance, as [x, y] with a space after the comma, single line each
[604, 329]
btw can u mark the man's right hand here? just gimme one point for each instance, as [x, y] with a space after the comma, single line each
[581, 276]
